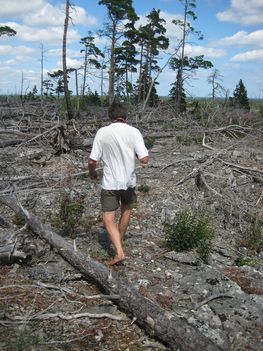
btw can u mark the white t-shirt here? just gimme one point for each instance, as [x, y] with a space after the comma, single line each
[117, 146]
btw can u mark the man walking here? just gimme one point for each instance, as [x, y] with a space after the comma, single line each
[117, 145]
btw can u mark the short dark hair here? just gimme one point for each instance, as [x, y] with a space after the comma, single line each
[117, 110]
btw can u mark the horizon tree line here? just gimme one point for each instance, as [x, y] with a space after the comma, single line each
[132, 57]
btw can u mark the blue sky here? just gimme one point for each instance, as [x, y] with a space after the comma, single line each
[233, 41]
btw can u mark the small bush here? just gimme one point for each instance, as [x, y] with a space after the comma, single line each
[254, 235]
[70, 213]
[18, 220]
[149, 142]
[26, 340]
[144, 188]
[188, 232]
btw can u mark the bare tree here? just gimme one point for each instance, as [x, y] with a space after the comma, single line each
[64, 60]
[215, 79]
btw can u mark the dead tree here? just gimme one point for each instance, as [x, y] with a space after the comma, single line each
[174, 331]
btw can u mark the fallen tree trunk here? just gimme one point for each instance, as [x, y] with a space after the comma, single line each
[174, 331]
[9, 255]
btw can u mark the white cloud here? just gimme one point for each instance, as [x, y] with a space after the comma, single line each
[243, 38]
[253, 55]
[43, 13]
[18, 8]
[201, 50]
[49, 15]
[72, 63]
[15, 50]
[246, 12]
[50, 35]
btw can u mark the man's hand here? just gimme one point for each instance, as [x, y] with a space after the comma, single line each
[93, 175]
[92, 169]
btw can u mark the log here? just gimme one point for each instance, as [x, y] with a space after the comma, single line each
[172, 330]
[9, 255]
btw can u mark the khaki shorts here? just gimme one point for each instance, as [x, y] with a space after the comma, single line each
[111, 199]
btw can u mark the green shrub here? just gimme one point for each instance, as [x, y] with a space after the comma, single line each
[242, 261]
[70, 213]
[149, 142]
[254, 235]
[189, 231]
[26, 340]
[184, 140]
[144, 188]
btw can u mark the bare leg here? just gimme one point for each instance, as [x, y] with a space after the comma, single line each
[124, 220]
[115, 236]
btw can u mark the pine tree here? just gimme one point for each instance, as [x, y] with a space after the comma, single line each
[184, 63]
[240, 98]
[151, 38]
[119, 11]
[6, 30]
[91, 54]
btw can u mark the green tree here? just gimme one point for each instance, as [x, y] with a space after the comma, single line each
[190, 65]
[240, 98]
[151, 39]
[48, 86]
[58, 79]
[125, 60]
[91, 54]
[120, 14]
[6, 30]
[184, 64]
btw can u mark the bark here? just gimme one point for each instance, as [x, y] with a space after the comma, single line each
[9, 255]
[64, 60]
[167, 327]
[112, 66]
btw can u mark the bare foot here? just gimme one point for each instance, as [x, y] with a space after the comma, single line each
[115, 260]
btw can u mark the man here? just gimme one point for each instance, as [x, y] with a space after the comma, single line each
[117, 145]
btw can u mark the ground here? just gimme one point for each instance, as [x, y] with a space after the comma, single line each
[42, 297]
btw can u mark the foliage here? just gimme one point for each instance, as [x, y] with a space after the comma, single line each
[91, 55]
[18, 220]
[144, 188]
[70, 211]
[122, 17]
[240, 98]
[243, 261]
[253, 239]
[26, 340]
[189, 231]
[6, 30]
[184, 65]
[149, 142]
[91, 99]
[32, 95]
[151, 39]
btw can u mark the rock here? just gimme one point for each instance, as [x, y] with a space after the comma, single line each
[183, 257]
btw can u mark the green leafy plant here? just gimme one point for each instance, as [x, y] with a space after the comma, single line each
[190, 231]
[26, 340]
[144, 188]
[18, 220]
[149, 142]
[70, 213]
[253, 239]
[243, 261]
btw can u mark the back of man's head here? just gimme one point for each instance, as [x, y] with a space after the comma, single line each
[117, 110]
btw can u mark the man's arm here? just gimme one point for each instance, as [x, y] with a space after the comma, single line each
[92, 164]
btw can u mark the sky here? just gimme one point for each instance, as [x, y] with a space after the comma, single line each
[232, 30]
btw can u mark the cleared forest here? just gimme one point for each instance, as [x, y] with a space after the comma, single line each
[205, 163]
